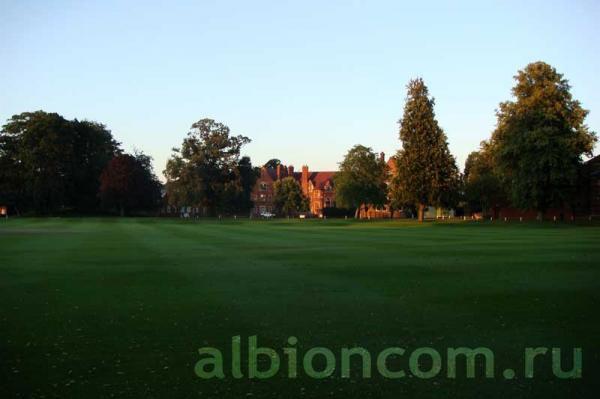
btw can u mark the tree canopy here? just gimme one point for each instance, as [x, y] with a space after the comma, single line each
[540, 139]
[361, 180]
[49, 164]
[483, 188]
[128, 184]
[205, 171]
[288, 197]
[236, 198]
[426, 172]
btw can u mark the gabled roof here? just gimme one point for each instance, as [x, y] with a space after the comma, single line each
[319, 179]
[391, 164]
[268, 172]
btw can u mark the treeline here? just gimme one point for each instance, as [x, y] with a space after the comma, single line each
[53, 166]
[533, 160]
[50, 165]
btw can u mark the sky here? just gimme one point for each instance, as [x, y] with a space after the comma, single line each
[305, 80]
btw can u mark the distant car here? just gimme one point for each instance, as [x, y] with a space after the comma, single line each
[267, 215]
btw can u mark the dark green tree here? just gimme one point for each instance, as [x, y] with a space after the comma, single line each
[204, 171]
[540, 139]
[426, 172]
[361, 180]
[93, 148]
[288, 197]
[238, 190]
[51, 165]
[483, 187]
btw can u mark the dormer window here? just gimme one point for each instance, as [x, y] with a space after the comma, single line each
[263, 186]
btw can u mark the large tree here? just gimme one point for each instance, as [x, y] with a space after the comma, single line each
[288, 197]
[361, 180]
[50, 164]
[128, 184]
[426, 172]
[540, 139]
[205, 170]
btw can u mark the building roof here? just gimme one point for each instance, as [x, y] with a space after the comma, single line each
[319, 179]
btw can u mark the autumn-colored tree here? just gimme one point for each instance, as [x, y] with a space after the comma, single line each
[128, 184]
[426, 172]
[540, 139]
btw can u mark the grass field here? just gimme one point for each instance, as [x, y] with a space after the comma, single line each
[94, 308]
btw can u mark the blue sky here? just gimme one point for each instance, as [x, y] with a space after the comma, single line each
[305, 80]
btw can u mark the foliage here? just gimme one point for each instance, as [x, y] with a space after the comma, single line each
[272, 163]
[205, 170]
[426, 172]
[49, 164]
[540, 139]
[128, 183]
[482, 184]
[236, 198]
[361, 180]
[288, 197]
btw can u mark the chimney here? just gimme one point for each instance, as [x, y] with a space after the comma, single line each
[291, 170]
[279, 171]
[305, 180]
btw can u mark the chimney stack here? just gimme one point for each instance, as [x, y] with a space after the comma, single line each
[291, 170]
[305, 180]
[279, 171]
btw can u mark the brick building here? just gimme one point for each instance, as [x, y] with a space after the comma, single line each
[317, 186]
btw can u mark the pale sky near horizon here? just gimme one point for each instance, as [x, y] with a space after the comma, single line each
[305, 80]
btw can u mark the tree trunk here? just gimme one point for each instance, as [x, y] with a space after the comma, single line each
[421, 212]
[122, 210]
[357, 212]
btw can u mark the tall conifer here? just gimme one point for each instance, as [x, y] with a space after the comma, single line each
[426, 172]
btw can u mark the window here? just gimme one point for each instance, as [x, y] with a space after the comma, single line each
[263, 186]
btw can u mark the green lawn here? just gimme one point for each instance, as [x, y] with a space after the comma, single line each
[95, 308]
